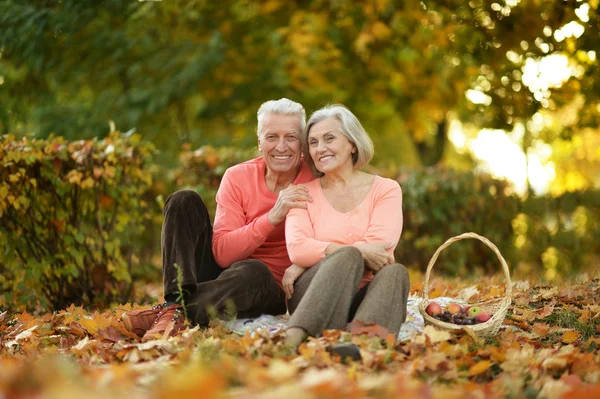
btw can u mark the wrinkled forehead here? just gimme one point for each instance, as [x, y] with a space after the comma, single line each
[281, 124]
[330, 125]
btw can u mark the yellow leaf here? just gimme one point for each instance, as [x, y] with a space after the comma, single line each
[74, 176]
[480, 368]
[381, 31]
[110, 171]
[570, 336]
[87, 183]
[435, 335]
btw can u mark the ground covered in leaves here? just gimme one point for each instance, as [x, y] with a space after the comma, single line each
[547, 349]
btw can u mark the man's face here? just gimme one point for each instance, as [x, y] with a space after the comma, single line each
[280, 143]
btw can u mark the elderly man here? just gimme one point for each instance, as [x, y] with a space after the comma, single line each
[244, 257]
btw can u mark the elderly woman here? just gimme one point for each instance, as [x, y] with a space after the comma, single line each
[342, 244]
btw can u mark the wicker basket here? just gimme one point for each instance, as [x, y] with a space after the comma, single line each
[496, 307]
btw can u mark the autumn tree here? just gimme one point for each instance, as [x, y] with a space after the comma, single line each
[196, 71]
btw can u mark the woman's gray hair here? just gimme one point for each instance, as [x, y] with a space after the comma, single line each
[350, 127]
[282, 106]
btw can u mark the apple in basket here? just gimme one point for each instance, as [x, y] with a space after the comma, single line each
[483, 317]
[454, 308]
[474, 311]
[433, 309]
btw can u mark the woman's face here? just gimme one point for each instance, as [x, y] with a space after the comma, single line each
[329, 149]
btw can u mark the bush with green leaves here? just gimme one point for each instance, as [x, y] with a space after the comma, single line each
[202, 169]
[440, 203]
[558, 235]
[543, 235]
[70, 217]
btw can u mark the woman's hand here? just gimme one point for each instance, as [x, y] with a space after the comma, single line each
[375, 255]
[289, 278]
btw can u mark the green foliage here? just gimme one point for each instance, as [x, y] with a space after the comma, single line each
[70, 214]
[200, 69]
[439, 204]
[549, 236]
[562, 233]
[201, 170]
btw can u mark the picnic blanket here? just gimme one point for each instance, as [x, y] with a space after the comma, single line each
[413, 325]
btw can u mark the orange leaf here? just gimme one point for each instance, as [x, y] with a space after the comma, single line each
[26, 319]
[480, 368]
[545, 311]
[541, 329]
[585, 316]
[358, 327]
[570, 336]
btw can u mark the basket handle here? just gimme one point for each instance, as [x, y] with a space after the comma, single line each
[462, 237]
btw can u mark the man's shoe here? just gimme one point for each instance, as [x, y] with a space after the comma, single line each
[170, 320]
[140, 321]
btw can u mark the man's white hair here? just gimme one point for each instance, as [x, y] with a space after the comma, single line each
[282, 106]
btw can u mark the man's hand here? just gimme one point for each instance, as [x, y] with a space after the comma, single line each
[291, 197]
[375, 255]
[289, 278]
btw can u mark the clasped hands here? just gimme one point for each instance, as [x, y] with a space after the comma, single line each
[375, 255]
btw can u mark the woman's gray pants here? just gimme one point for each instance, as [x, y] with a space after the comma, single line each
[326, 295]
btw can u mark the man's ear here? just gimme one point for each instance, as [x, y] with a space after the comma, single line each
[259, 145]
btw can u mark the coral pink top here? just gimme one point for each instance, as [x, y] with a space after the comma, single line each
[242, 229]
[377, 219]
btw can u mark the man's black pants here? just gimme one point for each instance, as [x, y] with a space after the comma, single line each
[187, 243]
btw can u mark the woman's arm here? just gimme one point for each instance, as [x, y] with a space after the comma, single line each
[303, 249]
[385, 224]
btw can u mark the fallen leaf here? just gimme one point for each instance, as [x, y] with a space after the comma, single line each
[570, 336]
[480, 367]
[545, 311]
[110, 334]
[585, 317]
[358, 327]
[435, 335]
[556, 363]
[541, 329]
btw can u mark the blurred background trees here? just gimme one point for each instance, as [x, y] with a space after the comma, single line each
[196, 71]
[446, 88]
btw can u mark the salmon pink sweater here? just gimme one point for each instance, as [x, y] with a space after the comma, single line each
[242, 229]
[377, 219]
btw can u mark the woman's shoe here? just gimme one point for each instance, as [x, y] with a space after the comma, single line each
[345, 351]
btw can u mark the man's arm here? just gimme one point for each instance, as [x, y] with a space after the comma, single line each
[233, 239]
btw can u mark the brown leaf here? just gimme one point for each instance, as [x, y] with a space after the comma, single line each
[76, 329]
[551, 293]
[110, 334]
[541, 329]
[523, 301]
[545, 311]
[358, 327]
